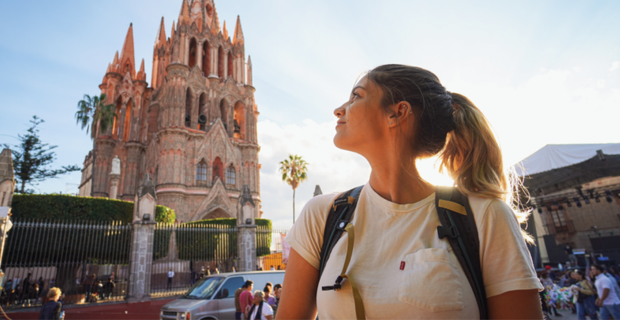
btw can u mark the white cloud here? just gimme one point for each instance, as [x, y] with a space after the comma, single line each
[615, 65]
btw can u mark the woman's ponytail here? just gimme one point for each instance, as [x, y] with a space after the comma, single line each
[472, 156]
[473, 159]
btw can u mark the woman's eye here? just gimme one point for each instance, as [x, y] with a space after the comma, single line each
[354, 95]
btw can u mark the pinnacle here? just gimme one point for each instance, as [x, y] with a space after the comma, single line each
[161, 34]
[238, 37]
[184, 14]
[127, 54]
[172, 32]
[225, 32]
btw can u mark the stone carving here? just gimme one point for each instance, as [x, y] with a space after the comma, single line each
[116, 166]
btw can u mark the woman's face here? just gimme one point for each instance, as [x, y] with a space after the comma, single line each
[362, 124]
[257, 299]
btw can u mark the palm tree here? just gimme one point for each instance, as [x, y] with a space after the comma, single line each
[93, 111]
[294, 171]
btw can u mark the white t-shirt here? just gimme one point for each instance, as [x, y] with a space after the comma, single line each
[267, 311]
[603, 282]
[170, 274]
[401, 267]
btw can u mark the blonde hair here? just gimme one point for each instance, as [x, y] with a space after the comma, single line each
[450, 125]
[54, 292]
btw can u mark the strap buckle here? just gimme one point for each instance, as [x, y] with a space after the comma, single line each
[342, 224]
[451, 232]
[337, 285]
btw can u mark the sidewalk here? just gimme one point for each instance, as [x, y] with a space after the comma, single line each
[117, 311]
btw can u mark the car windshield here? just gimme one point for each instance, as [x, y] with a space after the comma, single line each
[204, 289]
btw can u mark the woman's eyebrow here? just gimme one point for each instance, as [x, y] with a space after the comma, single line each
[358, 87]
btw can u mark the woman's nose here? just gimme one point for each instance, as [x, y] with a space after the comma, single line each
[339, 112]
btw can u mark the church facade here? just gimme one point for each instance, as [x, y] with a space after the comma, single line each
[192, 128]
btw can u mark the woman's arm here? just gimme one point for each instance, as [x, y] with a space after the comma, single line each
[298, 300]
[520, 304]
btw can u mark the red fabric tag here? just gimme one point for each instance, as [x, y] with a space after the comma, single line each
[402, 265]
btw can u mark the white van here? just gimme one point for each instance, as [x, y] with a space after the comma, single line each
[213, 297]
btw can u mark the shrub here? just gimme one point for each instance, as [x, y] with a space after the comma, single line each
[68, 207]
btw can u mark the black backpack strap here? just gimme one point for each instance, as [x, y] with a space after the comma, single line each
[340, 214]
[459, 226]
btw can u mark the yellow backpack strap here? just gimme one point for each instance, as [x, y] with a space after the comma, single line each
[360, 312]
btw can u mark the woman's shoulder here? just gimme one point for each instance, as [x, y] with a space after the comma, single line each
[483, 208]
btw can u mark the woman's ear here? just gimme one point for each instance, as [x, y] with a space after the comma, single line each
[399, 112]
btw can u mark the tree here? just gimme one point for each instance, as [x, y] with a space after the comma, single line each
[32, 157]
[294, 171]
[93, 112]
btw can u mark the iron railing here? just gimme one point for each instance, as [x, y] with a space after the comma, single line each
[44, 253]
[190, 251]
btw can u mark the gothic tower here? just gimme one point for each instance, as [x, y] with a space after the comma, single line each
[193, 129]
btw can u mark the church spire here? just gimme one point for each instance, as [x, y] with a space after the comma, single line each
[238, 38]
[225, 32]
[141, 74]
[161, 34]
[172, 32]
[184, 14]
[127, 59]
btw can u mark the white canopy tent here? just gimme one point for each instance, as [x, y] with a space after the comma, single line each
[554, 156]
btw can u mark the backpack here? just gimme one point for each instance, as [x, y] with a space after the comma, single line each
[457, 224]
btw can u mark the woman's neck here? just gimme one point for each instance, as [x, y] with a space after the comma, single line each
[396, 179]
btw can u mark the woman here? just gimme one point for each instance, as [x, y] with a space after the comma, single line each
[260, 310]
[395, 115]
[52, 309]
[271, 301]
[586, 296]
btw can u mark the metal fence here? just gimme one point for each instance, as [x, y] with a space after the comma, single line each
[269, 245]
[184, 253]
[87, 260]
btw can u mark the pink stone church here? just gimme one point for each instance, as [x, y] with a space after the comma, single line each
[192, 128]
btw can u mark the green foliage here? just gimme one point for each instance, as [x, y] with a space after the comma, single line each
[32, 158]
[294, 171]
[93, 111]
[203, 239]
[67, 207]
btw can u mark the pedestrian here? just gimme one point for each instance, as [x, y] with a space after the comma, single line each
[192, 277]
[571, 256]
[607, 299]
[112, 276]
[108, 288]
[272, 268]
[88, 286]
[260, 310]
[170, 276]
[614, 271]
[268, 297]
[586, 296]
[238, 309]
[614, 284]
[51, 310]
[246, 298]
[396, 115]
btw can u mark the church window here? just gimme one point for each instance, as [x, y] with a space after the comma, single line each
[230, 64]
[220, 62]
[192, 53]
[188, 107]
[239, 111]
[202, 112]
[201, 171]
[224, 113]
[218, 169]
[231, 176]
[206, 59]
[127, 125]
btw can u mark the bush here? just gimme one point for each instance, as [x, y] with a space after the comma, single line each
[67, 207]
[206, 246]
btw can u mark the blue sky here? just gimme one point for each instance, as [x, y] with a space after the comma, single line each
[542, 71]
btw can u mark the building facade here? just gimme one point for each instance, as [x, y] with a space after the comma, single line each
[192, 128]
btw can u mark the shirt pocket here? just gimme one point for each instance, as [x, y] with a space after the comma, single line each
[430, 281]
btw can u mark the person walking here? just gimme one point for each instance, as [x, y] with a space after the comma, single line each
[170, 276]
[260, 310]
[246, 298]
[238, 309]
[52, 310]
[607, 300]
[108, 289]
[586, 296]
[396, 115]
[88, 286]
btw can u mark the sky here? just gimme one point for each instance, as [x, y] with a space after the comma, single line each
[543, 72]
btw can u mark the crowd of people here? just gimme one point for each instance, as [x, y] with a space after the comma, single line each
[95, 289]
[592, 292]
[27, 291]
[260, 305]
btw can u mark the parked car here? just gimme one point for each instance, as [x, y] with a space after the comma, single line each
[213, 297]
